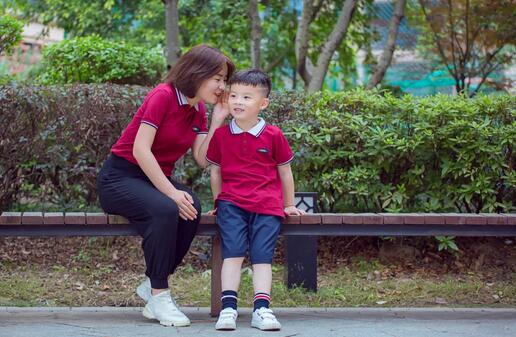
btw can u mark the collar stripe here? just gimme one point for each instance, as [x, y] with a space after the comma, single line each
[255, 130]
[182, 100]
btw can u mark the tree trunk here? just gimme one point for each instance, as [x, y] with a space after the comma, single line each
[302, 39]
[333, 42]
[172, 28]
[390, 45]
[256, 33]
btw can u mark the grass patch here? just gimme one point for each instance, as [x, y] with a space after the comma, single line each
[346, 287]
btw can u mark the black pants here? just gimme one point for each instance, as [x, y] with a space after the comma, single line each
[125, 190]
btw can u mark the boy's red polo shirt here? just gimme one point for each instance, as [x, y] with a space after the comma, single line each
[249, 166]
[178, 124]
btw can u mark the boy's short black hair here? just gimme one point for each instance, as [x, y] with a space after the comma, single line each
[253, 77]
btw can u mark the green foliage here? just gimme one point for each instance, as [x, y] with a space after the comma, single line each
[360, 150]
[61, 137]
[222, 24]
[447, 243]
[10, 33]
[380, 153]
[95, 60]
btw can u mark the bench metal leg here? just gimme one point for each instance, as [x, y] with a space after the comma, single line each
[216, 268]
[301, 256]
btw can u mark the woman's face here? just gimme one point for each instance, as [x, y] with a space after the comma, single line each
[212, 88]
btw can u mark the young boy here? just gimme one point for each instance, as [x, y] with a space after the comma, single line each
[253, 188]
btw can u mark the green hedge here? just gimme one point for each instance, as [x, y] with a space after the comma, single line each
[380, 153]
[361, 150]
[92, 59]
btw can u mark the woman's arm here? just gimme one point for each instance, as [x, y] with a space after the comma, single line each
[200, 145]
[216, 184]
[148, 163]
[215, 181]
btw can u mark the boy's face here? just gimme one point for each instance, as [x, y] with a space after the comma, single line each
[246, 101]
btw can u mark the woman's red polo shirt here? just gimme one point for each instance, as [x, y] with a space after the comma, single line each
[177, 123]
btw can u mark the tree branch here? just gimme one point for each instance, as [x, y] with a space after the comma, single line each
[390, 45]
[256, 33]
[333, 42]
[302, 38]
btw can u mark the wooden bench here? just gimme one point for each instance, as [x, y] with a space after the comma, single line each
[300, 233]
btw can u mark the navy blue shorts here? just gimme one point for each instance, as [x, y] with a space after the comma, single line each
[241, 230]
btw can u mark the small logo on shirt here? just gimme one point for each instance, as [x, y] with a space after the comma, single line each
[262, 150]
[196, 129]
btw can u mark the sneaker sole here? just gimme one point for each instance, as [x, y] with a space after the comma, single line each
[270, 328]
[226, 327]
[147, 314]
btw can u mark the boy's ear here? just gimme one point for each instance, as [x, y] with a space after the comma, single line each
[265, 103]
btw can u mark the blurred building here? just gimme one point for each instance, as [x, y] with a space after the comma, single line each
[28, 53]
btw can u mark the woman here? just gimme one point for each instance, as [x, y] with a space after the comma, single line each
[135, 180]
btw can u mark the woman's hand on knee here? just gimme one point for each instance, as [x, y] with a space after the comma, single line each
[185, 203]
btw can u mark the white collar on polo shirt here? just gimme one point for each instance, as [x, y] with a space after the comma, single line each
[255, 130]
[182, 100]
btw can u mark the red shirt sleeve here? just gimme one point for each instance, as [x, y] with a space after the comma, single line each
[282, 153]
[213, 155]
[157, 107]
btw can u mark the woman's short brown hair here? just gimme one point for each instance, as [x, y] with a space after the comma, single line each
[198, 64]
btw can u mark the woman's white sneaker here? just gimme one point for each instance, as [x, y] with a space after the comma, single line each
[265, 320]
[163, 308]
[227, 319]
[144, 290]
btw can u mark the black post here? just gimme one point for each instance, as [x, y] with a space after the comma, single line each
[301, 251]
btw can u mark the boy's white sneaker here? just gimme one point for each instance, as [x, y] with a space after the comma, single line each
[144, 290]
[265, 320]
[163, 308]
[227, 319]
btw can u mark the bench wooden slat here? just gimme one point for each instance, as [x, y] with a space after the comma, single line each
[331, 219]
[311, 219]
[117, 220]
[453, 219]
[392, 218]
[434, 219]
[295, 219]
[96, 219]
[208, 219]
[75, 218]
[495, 219]
[475, 219]
[53, 218]
[413, 218]
[11, 218]
[372, 219]
[32, 218]
[81, 218]
[352, 219]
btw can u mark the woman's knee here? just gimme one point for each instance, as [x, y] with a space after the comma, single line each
[165, 214]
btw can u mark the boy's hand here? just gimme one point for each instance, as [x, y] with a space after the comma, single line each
[293, 210]
[212, 212]
[221, 109]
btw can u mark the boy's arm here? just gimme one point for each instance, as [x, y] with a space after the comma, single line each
[215, 180]
[287, 184]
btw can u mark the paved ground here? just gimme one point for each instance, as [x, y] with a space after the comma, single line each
[362, 322]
